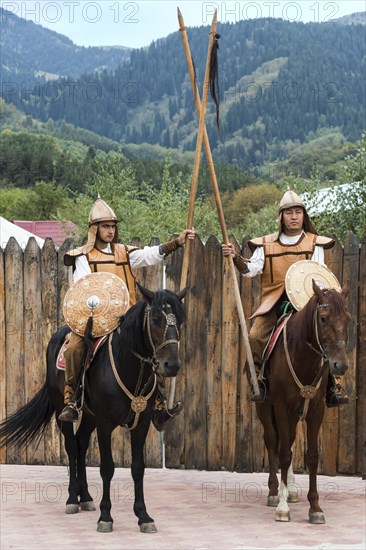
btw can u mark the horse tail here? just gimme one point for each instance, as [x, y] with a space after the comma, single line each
[29, 422]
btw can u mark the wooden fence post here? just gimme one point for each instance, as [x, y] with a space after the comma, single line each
[14, 344]
[347, 413]
[329, 431]
[3, 396]
[361, 367]
[34, 360]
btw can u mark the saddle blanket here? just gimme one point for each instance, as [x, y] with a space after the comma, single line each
[60, 362]
[274, 337]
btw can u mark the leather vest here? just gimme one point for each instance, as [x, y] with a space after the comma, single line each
[278, 258]
[118, 263]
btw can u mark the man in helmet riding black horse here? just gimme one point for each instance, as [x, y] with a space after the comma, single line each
[103, 252]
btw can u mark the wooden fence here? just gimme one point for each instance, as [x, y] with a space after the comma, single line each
[218, 427]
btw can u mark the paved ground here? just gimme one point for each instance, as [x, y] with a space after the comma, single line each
[192, 510]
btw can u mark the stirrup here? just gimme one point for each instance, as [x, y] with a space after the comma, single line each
[70, 413]
[336, 396]
[262, 393]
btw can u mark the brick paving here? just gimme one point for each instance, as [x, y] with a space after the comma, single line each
[193, 510]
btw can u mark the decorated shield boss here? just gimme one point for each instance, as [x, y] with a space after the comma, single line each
[102, 295]
[299, 281]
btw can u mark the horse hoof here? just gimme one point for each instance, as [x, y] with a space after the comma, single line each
[273, 500]
[282, 516]
[72, 509]
[87, 506]
[148, 527]
[316, 518]
[293, 497]
[105, 527]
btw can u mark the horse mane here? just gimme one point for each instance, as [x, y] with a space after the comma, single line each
[131, 329]
[303, 319]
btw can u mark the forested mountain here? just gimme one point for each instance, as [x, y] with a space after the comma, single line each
[31, 52]
[281, 84]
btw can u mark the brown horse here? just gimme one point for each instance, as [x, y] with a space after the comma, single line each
[312, 344]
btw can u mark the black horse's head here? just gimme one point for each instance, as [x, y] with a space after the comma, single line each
[164, 315]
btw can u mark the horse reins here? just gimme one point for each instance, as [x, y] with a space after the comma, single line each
[139, 400]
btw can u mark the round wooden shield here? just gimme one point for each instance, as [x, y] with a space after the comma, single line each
[102, 295]
[299, 281]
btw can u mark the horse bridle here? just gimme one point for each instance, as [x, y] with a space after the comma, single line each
[171, 321]
[321, 351]
[138, 399]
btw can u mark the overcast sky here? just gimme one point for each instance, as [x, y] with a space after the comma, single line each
[137, 23]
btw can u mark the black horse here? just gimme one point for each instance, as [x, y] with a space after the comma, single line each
[120, 390]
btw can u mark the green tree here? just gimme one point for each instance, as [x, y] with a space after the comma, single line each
[347, 210]
[262, 222]
[44, 201]
[251, 199]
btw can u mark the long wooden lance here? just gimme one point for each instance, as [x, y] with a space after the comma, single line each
[220, 210]
[195, 173]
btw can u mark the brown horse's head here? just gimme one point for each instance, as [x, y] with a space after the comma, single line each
[332, 321]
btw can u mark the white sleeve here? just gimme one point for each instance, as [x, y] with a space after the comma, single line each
[256, 263]
[149, 255]
[81, 268]
[318, 255]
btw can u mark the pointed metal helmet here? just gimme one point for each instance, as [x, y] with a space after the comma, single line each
[101, 212]
[291, 200]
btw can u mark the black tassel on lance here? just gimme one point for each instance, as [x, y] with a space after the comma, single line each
[214, 78]
[194, 71]
[88, 337]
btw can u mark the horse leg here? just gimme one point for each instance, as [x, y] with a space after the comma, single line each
[105, 521]
[286, 439]
[83, 436]
[264, 412]
[138, 437]
[316, 514]
[293, 493]
[71, 446]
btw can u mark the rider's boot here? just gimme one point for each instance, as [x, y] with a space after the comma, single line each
[161, 414]
[262, 387]
[70, 412]
[335, 395]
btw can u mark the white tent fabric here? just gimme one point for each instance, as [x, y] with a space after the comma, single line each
[8, 229]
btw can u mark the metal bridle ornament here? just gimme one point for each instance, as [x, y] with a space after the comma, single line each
[103, 296]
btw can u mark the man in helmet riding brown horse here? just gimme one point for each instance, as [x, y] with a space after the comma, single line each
[103, 252]
[272, 255]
